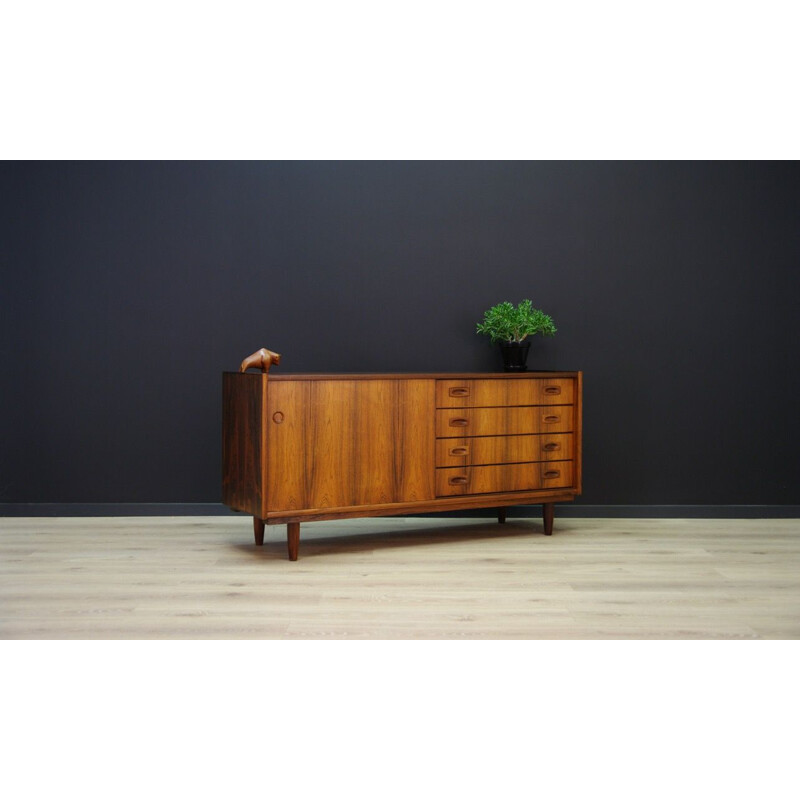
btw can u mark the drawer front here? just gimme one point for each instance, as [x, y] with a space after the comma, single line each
[465, 452]
[457, 423]
[508, 392]
[454, 481]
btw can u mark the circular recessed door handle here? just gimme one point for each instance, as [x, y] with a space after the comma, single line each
[277, 417]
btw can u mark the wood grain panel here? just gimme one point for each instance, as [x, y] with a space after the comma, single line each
[350, 443]
[287, 420]
[501, 392]
[414, 440]
[330, 444]
[374, 447]
[454, 481]
[243, 442]
[503, 449]
[453, 423]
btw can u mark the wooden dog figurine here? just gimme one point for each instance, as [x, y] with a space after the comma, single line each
[262, 359]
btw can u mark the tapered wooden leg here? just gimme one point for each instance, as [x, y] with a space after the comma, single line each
[258, 530]
[293, 538]
[501, 515]
[547, 516]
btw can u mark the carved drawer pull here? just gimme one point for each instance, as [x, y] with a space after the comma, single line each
[552, 390]
[552, 473]
[458, 480]
[459, 422]
[459, 391]
[550, 446]
[458, 451]
[552, 418]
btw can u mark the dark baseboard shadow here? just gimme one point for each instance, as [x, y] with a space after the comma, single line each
[564, 510]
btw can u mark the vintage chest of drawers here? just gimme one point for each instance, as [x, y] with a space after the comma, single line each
[298, 448]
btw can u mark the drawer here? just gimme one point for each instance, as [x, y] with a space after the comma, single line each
[454, 481]
[504, 392]
[464, 452]
[457, 423]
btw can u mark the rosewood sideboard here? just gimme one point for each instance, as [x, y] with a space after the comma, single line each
[298, 448]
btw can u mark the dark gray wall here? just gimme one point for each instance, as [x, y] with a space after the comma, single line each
[127, 288]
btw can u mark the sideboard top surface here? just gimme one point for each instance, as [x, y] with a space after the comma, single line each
[355, 376]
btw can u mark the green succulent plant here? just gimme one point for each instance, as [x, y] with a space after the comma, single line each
[506, 322]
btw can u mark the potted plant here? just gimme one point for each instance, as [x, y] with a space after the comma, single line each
[511, 325]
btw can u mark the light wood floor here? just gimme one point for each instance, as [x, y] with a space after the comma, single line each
[395, 578]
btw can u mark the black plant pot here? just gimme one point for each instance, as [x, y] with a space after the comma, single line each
[515, 356]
